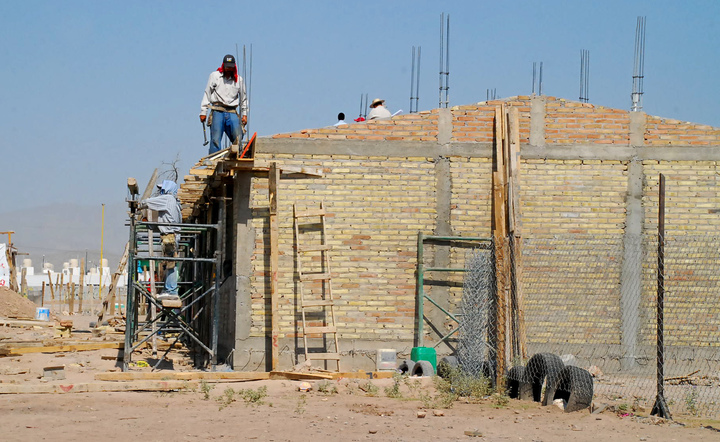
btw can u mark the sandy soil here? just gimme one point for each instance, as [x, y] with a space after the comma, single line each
[345, 411]
[13, 305]
[289, 415]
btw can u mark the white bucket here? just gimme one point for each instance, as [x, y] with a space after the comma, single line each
[42, 313]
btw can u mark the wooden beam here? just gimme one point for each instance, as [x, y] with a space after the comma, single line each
[133, 186]
[183, 376]
[297, 376]
[98, 387]
[273, 179]
[14, 351]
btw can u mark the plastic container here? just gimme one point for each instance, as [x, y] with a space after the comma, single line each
[424, 354]
[386, 359]
[42, 313]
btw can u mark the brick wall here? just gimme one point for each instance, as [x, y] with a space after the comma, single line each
[381, 187]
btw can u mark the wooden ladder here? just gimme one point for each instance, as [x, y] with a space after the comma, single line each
[321, 297]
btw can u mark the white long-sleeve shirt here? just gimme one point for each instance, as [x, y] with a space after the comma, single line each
[226, 92]
[379, 112]
[168, 209]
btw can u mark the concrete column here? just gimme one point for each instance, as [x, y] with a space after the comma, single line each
[244, 245]
[631, 277]
[444, 126]
[537, 120]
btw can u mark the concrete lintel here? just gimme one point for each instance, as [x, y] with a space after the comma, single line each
[400, 149]
[537, 120]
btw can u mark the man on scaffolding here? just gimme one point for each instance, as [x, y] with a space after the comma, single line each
[169, 211]
[225, 91]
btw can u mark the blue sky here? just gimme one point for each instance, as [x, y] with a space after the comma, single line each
[96, 91]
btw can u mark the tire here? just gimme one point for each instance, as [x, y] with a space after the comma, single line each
[423, 368]
[446, 365]
[406, 366]
[515, 377]
[575, 386]
[543, 369]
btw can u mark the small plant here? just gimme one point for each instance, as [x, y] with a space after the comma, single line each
[413, 386]
[227, 398]
[205, 389]
[300, 407]
[326, 387]
[393, 391]
[623, 407]
[500, 400]
[254, 397]
[691, 402]
[370, 389]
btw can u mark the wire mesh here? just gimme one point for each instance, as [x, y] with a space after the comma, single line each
[476, 346]
[591, 303]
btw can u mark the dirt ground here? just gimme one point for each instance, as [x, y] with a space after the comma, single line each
[345, 409]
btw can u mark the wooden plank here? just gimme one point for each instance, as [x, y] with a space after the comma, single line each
[310, 212]
[273, 179]
[98, 387]
[81, 288]
[183, 376]
[113, 284]
[306, 170]
[202, 172]
[293, 376]
[314, 276]
[320, 330]
[314, 248]
[22, 323]
[14, 351]
[317, 303]
[364, 375]
[132, 186]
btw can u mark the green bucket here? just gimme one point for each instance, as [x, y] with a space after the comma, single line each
[424, 354]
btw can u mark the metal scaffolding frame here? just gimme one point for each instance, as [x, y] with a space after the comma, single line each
[195, 323]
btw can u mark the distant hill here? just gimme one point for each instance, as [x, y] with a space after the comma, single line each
[62, 232]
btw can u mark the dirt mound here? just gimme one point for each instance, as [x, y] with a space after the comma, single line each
[13, 305]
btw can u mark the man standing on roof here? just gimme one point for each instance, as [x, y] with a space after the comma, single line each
[168, 208]
[225, 91]
[378, 110]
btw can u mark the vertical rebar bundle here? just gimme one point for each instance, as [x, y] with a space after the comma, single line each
[444, 99]
[415, 81]
[584, 76]
[639, 65]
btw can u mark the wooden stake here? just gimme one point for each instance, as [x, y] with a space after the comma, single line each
[81, 289]
[71, 301]
[52, 291]
[274, 177]
[42, 299]
[23, 281]
[499, 225]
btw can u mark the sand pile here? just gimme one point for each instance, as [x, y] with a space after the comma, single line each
[13, 305]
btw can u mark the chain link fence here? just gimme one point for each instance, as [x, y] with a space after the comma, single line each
[590, 311]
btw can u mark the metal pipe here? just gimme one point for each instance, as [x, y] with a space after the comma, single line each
[420, 291]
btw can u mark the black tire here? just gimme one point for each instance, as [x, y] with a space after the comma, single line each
[406, 366]
[575, 386]
[446, 366]
[423, 368]
[515, 377]
[543, 369]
